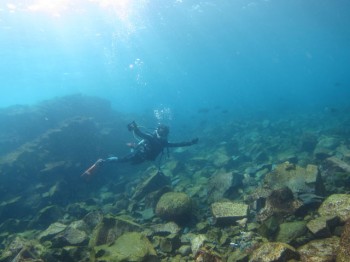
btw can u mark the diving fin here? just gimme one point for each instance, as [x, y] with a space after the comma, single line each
[92, 169]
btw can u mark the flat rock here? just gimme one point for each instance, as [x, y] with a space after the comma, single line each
[110, 228]
[338, 164]
[228, 212]
[321, 226]
[320, 250]
[166, 229]
[290, 231]
[51, 231]
[131, 246]
[70, 237]
[273, 252]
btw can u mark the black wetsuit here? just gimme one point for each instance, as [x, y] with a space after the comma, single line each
[149, 148]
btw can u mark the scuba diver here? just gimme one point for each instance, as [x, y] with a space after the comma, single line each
[147, 149]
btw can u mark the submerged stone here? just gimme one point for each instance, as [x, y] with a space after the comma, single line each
[297, 178]
[131, 246]
[174, 206]
[154, 182]
[344, 245]
[322, 226]
[220, 184]
[320, 250]
[166, 229]
[228, 212]
[273, 252]
[110, 228]
[290, 231]
[47, 216]
[51, 231]
[70, 237]
[336, 205]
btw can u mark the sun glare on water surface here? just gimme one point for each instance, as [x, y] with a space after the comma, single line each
[122, 10]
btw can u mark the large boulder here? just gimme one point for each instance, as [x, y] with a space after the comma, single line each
[70, 237]
[110, 228]
[344, 245]
[298, 179]
[174, 206]
[51, 231]
[336, 205]
[221, 184]
[322, 227]
[273, 252]
[320, 250]
[131, 246]
[289, 232]
[154, 182]
[279, 203]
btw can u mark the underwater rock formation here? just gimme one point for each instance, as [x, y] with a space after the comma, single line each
[131, 246]
[279, 203]
[221, 184]
[228, 212]
[174, 206]
[274, 251]
[233, 198]
[343, 252]
[324, 249]
[336, 205]
[297, 178]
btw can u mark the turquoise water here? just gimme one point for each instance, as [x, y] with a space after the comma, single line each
[179, 55]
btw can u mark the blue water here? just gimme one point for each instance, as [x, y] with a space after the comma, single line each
[179, 55]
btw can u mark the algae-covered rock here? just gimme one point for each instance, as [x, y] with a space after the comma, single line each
[338, 164]
[110, 228]
[273, 252]
[220, 184]
[92, 219]
[238, 256]
[197, 242]
[279, 203]
[154, 182]
[66, 254]
[51, 231]
[290, 231]
[344, 245]
[20, 249]
[131, 246]
[321, 226]
[320, 250]
[70, 237]
[166, 229]
[228, 212]
[174, 206]
[47, 216]
[220, 157]
[168, 244]
[336, 204]
[297, 178]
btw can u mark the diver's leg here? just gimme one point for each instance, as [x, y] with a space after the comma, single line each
[100, 162]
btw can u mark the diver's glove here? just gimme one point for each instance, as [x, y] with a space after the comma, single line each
[132, 126]
[194, 141]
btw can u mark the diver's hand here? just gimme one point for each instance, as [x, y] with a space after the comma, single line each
[194, 141]
[132, 126]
